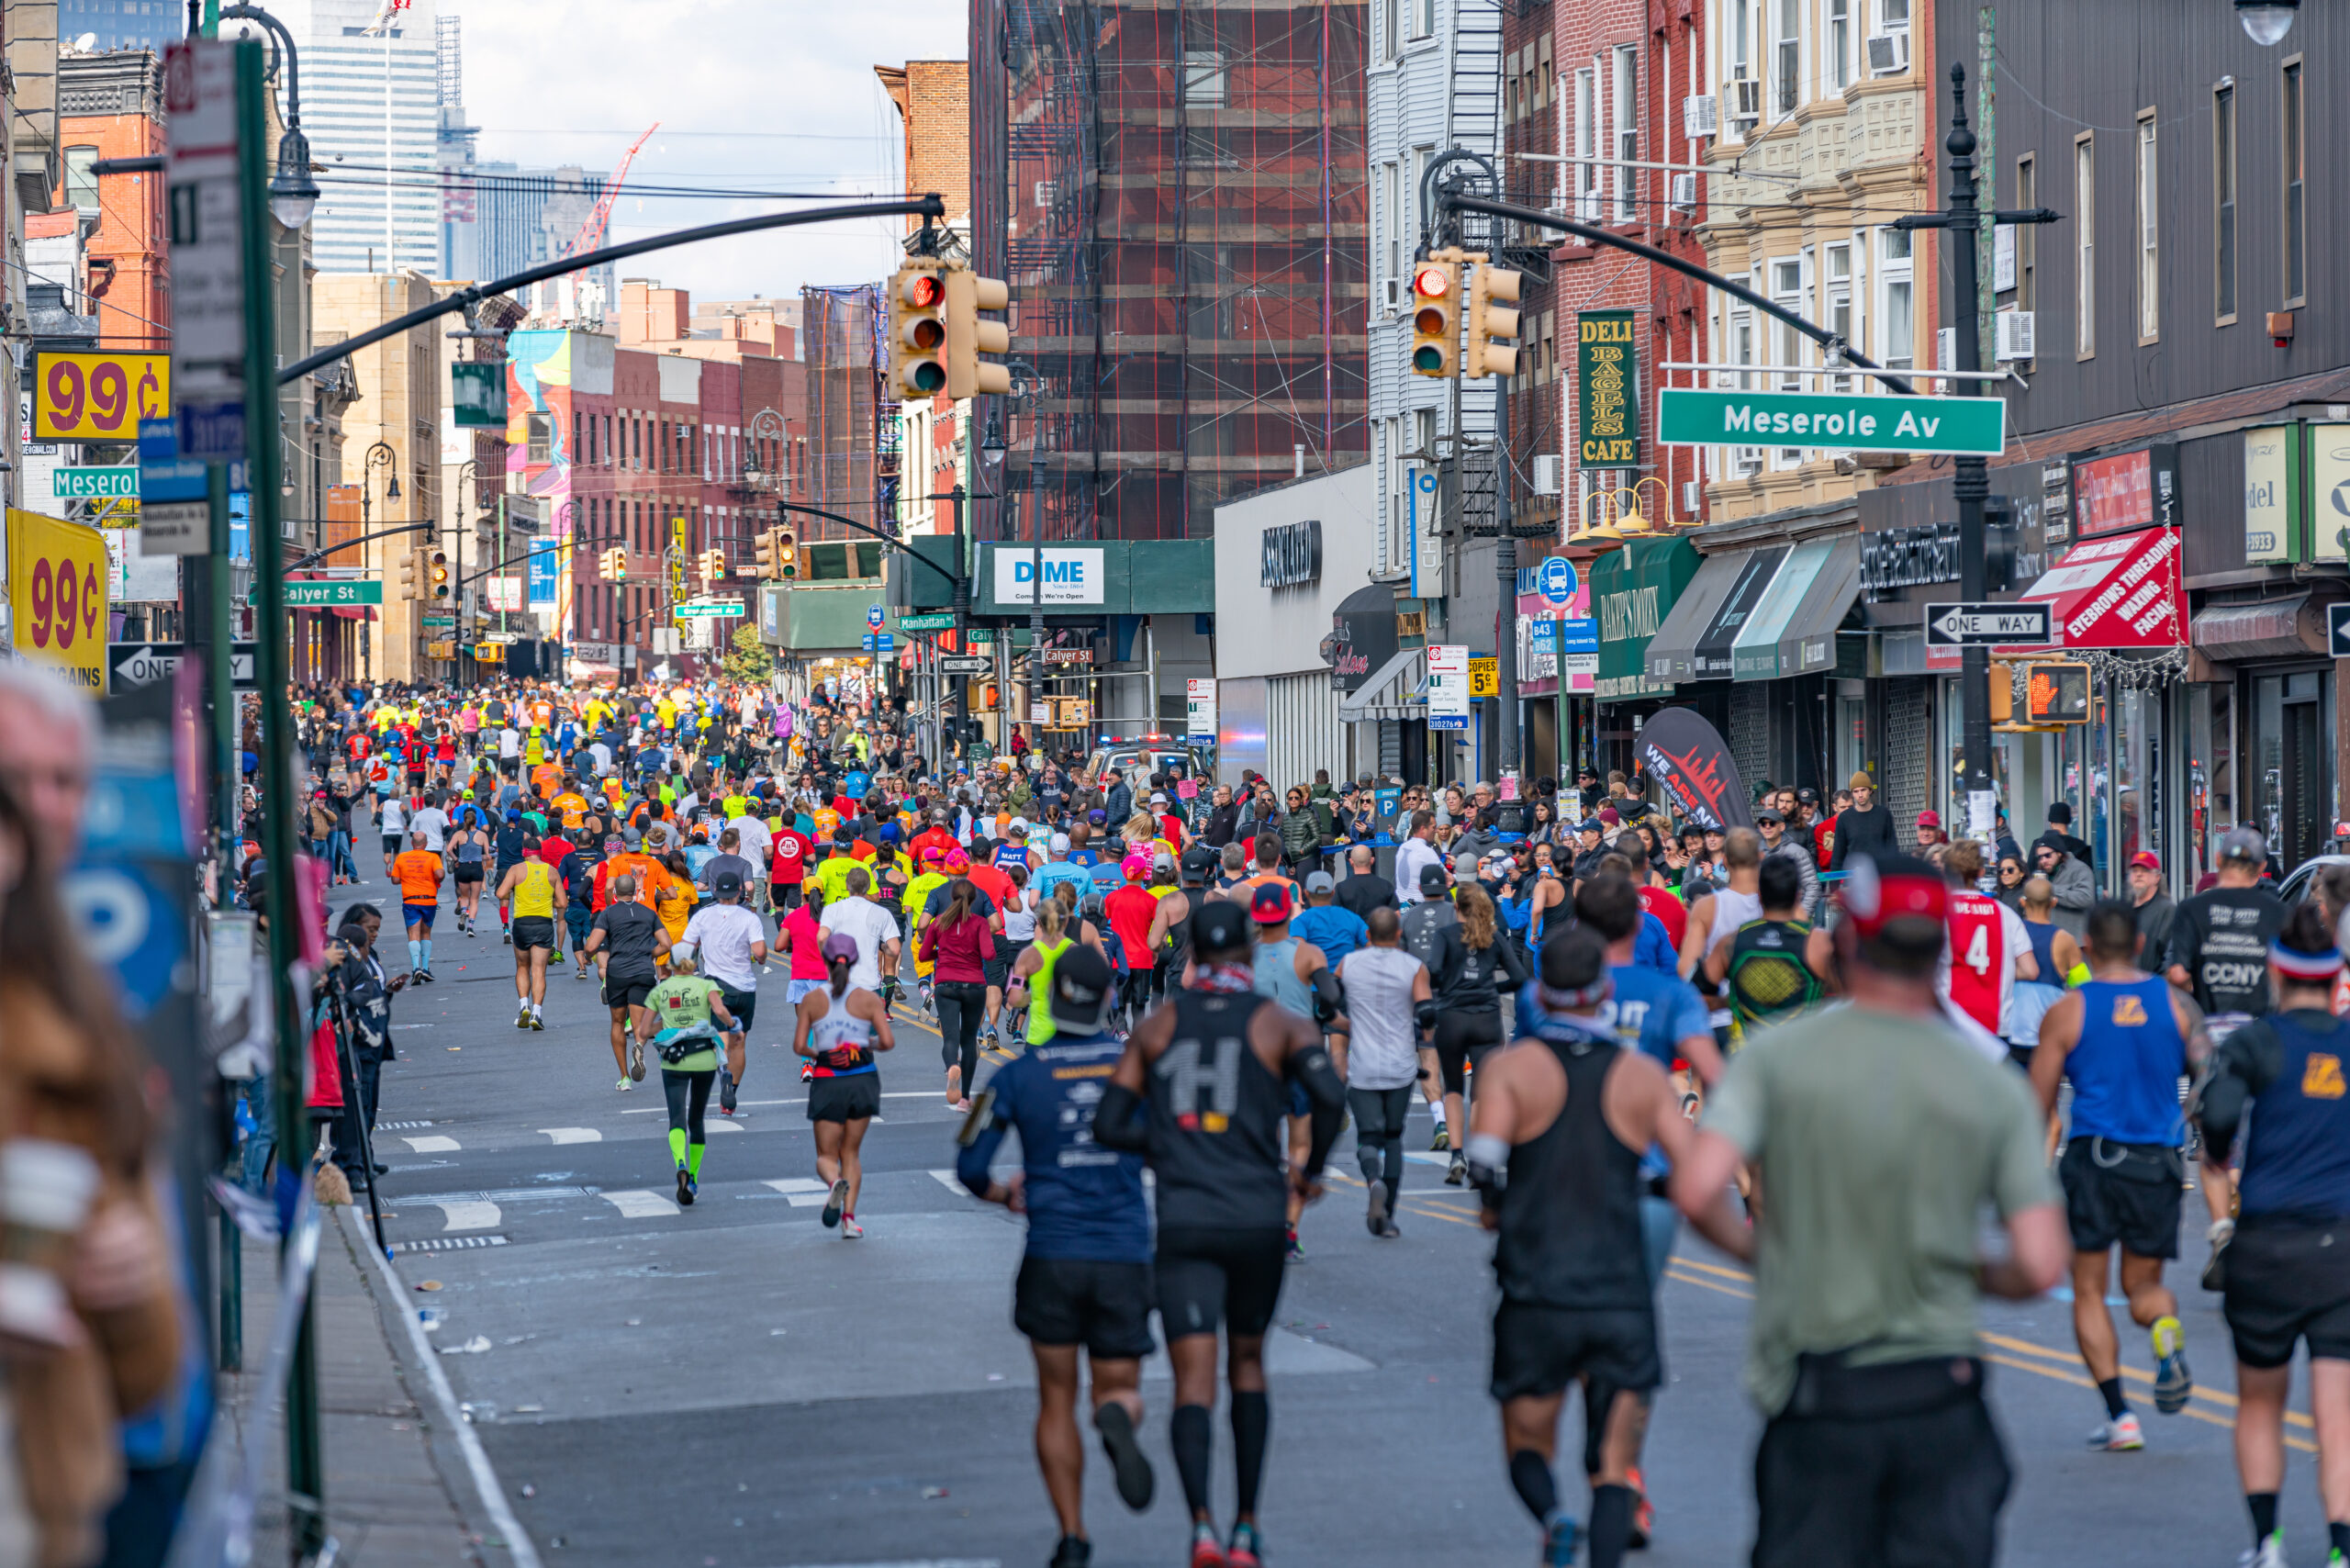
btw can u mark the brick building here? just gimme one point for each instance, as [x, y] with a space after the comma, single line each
[111, 106]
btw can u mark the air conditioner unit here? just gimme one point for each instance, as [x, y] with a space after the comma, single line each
[2015, 335]
[1546, 473]
[1748, 462]
[1044, 193]
[1590, 207]
[1701, 116]
[1946, 348]
[1888, 54]
[1750, 100]
[1689, 497]
[1685, 193]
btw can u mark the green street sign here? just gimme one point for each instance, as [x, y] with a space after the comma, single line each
[1959, 426]
[979, 636]
[111, 483]
[944, 622]
[438, 622]
[315, 596]
[477, 395]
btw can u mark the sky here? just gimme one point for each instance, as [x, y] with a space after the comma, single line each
[751, 95]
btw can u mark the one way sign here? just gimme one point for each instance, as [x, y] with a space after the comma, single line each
[1962, 625]
[137, 664]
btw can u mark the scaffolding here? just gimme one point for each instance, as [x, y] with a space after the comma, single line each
[1176, 192]
[852, 432]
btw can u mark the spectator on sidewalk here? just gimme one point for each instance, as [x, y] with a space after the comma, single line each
[1861, 828]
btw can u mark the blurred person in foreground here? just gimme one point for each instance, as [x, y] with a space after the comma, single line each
[90, 1335]
[1877, 1445]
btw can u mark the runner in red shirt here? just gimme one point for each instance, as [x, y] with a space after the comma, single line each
[793, 850]
[1986, 938]
[1667, 907]
[1131, 908]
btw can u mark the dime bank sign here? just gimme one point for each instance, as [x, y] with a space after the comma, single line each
[1071, 576]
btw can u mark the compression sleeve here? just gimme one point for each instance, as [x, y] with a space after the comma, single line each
[1312, 1069]
[1329, 996]
[973, 1158]
[2242, 1067]
[1118, 1121]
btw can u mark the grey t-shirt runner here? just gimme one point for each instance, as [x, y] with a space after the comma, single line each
[1881, 1137]
[1383, 1050]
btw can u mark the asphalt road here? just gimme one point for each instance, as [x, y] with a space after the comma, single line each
[732, 1385]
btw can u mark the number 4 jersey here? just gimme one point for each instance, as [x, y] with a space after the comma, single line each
[1978, 974]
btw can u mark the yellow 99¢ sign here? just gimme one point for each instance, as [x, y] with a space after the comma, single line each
[98, 396]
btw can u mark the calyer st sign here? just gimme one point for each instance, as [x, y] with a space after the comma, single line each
[1071, 576]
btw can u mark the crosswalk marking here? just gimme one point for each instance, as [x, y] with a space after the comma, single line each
[722, 1125]
[572, 1134]
[800, 1191]
[468, 1214]
[1422, 1156]
[642, 1203]
[951, 1181]
[432, 1143]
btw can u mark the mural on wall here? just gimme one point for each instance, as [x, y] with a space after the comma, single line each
[538, 449]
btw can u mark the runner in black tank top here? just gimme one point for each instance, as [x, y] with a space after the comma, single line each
[1202, 1090]
[1561, 1122]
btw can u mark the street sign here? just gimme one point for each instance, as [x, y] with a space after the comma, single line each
[880, 642]
[710, 610]
[1984, 625]
[98, 396]
[1556, 578]
[436, 622]
[875, 616]
[942, 621]
[174, 528]
[1844, 421]
[1484, 678]
[1448, 687]
[313, 596]
[204, 199]
[115, 480]
[1069, 656]
[477, 395]
[138, 664]
[964, 664]
[1199, 708]
[596, 653]
[2338, 628]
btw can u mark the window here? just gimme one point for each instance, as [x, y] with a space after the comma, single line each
[81, 178]
[1839, 44]
[1203, 79]
[1423, 18]
[1898, 340]
[1391, 20]
[1892, 14]
[2026, 235]
[1391, 212]
[2150, 276]
[1586, 174]
[2084, 245]
[1627, 134]
[1789, 62]
[1741, 103]
[1839, 264]
[1786, 293]
[542, 438]
[2223, 204]
[2295, 172]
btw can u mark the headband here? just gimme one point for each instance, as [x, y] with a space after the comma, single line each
[1554, 998]
[2310, 968]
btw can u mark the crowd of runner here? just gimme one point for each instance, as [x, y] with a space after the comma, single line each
[1613, 1020]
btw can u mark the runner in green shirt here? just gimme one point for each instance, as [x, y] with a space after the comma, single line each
[691, 1014]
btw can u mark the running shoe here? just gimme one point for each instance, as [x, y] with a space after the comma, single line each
[2270, 1553]
[1643, 1511]
[1559, 1543]
[807, 1072]
[1442, 1141]
[1127, 1461]
[725, 1091]
[1247, 1550]
[2174, 1384]
[2120, 1434]
[1206, 1551]
[684, 1189]
[834, 1203]
[850, 1229]
[1375, 1217]
[538, 1020]
[636, 1061]
[522, 1016]
[1457, 1172]
[622, 1085]
[1074, 1551]
[1291, 1252]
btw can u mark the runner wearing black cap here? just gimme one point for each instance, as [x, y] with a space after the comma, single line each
[1295, 973]
[1200, 1089]
[1085, 1278]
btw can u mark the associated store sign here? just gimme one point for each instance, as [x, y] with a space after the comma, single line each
[1071, 576]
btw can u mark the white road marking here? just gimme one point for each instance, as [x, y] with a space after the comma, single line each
[1422, 1156]
[642, 1203]
[468, 1214]
[951, 1181]
[573, 1134]
[802, 1191]
[720, 1125]
[432, 1143]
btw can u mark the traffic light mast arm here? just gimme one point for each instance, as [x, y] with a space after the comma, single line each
[499, 568]
[865, 529]
[1448, 203]
[301, 563]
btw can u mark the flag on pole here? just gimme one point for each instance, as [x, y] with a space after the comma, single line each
[386, 12]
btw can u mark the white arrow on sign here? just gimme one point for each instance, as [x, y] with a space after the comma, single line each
[1957, 625]
[967, 664]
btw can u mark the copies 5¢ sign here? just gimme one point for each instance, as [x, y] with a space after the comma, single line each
[98, 396]
[57, 595]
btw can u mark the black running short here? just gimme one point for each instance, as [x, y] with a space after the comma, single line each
[533, 930]
[468, 871]
[2121, 1194]
[2289, 1283]
[1538, 1350]
[1075, 1301]
[742, 1004]
[1462, 1038]
[1207, 1277]
[851, 1099]
[621, 993]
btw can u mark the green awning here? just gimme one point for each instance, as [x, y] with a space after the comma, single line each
[1632, 591]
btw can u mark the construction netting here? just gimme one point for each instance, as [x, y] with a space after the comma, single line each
[850, 431]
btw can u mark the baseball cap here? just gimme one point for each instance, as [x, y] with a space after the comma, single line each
[1162, 861]
[1019, 828]
[1061, 844]
[1097, 816]
[1929, 819]
[1433, 881]
[1198, 861]
[1590, 824]
[1321, 882]
[1157, 798]
[957, 860]
[1136, 866]
[1770, 814]
[1876, 892]
[1219, 926]
[1271, 904]
[1081, 991]
[933, 854]
[726, 882]
[2243, 844]
[2145, 860]
[841, 944]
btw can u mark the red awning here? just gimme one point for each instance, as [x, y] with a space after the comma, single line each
[2119, 592]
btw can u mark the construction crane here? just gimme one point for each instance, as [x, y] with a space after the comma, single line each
[591, 233]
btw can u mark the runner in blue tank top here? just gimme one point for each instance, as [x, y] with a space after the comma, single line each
[2125, 1038]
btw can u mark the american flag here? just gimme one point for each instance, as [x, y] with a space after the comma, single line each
[386, 12]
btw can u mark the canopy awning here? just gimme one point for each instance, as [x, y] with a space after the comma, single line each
[1395, 691]
[1794, 633]
[1672, 651]
[2119, 592]
[2286, 628]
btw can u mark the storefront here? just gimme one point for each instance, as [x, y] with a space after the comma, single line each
[1635, 590]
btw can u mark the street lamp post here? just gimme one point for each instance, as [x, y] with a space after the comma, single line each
[991, 456]
[380, 455]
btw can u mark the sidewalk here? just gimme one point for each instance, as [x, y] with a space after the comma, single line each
[397, 1489]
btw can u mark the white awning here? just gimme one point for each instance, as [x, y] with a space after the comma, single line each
[1396, 689]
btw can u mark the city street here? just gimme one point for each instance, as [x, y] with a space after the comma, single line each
[733, 1384]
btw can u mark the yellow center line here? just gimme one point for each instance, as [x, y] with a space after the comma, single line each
[2081, 1381]
[1703, 1283]
[1411, 1208]
[1741, 1274]
[2217, 1396]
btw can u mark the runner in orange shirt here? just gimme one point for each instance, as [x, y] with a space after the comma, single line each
[418, 871]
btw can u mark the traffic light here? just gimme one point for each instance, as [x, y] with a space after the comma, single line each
[409, 576]
[763, 553]
[1493, 313]
[918, 329]
[1436, 313]
[437, 576]
[787, 553]
[2056, 694]
[713, 565]
[613, 564]
[967, 337]
[2003, 693]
